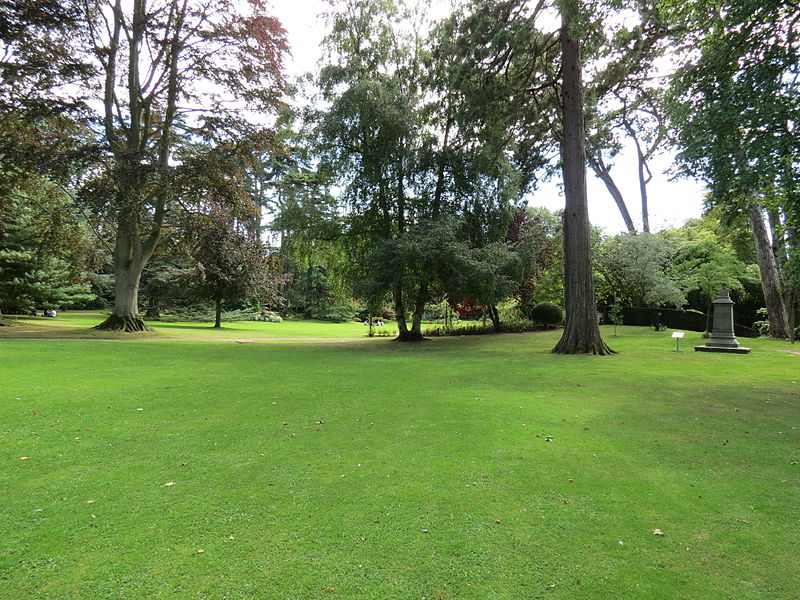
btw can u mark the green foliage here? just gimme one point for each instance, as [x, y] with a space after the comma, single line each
[547, 314]
[637, 268]
[705, 258]
[735, 98]
[312, 295]
[44, 254]
[231, 264]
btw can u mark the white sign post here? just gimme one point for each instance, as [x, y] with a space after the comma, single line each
[678, 335]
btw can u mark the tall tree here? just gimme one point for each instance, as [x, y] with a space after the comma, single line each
[172, 74]
[518, 71]
[735, 104]
[409, 168]
[581, 330]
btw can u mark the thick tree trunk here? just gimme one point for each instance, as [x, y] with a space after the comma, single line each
[415, 335]
[770, 278]
[400, 314]
[581, 331]
[217, 313]
[129, 262]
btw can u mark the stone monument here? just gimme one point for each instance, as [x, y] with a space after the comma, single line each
[722, 338]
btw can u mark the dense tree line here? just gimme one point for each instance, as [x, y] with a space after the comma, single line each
[147, 145]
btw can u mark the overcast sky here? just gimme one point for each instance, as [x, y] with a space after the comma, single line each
[671, 202]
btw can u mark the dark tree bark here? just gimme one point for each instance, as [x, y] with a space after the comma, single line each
[494, 315]
[217, 313]
[581, 331]
[153, 311]
[400, 314]
[415, 335]
[770, 277]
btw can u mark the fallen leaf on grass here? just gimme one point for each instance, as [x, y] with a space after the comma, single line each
[24, 457]
[330, 589]
[657, 532]
[90, 502]
[33, 412]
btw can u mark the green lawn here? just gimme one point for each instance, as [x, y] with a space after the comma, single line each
[385, 471]
[79, 324]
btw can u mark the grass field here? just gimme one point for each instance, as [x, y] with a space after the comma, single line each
[371, 469]
[79, 324]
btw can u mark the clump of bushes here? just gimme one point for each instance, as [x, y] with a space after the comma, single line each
[268, 316]
[510, 326]
[202, 313]
[547, 314]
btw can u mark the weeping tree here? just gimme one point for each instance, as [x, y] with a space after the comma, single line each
[171, 75]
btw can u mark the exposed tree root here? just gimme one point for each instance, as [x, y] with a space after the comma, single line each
[410, 336]
[572, 346]
[126, 324]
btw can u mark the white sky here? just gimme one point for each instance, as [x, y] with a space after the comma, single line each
[671, 202]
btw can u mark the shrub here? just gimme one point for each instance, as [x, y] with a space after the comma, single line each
[268, 316]
[510, 326]
[761, 328]
[547, 314]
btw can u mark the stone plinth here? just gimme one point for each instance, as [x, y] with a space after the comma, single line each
[722, 338]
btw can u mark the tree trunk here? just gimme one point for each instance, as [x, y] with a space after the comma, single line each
[129, 263]
[217, 313]
[494, 315]
[581, 331]
[152, 311]
[400, 314]
[770, 278]
[415, 335]
[643, 180]
[602, 172]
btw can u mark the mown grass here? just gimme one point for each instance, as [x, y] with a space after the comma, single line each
[381, 470]
[79, 324]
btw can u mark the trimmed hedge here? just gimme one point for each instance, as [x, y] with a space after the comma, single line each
[674, 319]
[547, 314]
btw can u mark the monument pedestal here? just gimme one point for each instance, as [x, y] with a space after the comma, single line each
[722, 338]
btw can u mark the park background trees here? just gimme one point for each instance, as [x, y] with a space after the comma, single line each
[403, 180]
